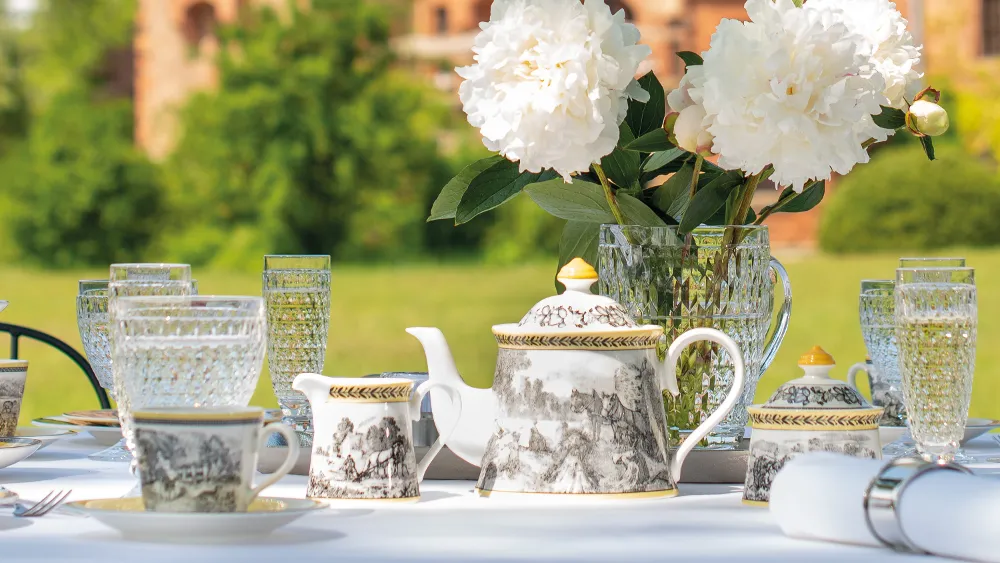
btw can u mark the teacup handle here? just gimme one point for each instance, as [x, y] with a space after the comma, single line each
[852, 374]
[435, 449]
[739, 380]
[290, 458]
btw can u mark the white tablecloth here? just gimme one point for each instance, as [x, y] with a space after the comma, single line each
[705, 523]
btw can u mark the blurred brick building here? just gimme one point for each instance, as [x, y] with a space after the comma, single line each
[175, 42]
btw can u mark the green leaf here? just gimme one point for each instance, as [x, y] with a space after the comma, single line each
[654, 141]
[690, 58]
[658, 160]
[451, 194]
[579, 201]
[622, 166]
[928, 146]
[710, 199]
[809, 198]
[672, 197]
[637, 212]
[890, 118]
[645, 117]
[579, 239]
[493, 187]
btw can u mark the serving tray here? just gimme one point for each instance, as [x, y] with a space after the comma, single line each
[701, 466]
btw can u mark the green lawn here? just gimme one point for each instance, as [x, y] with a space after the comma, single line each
[372, 306]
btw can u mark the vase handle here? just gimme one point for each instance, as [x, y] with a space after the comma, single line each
[771, 349]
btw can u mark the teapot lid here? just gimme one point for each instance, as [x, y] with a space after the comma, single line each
[576, 309]
[816, 389]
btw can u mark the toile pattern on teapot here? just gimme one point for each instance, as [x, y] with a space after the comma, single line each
[576, 404]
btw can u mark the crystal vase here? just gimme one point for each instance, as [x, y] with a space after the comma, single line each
[718, 277]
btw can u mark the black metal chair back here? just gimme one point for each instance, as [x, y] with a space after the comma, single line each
[17, 331]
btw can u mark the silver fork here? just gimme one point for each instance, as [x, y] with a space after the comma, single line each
[42, 507]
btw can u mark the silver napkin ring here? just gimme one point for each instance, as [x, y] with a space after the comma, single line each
[884, 493]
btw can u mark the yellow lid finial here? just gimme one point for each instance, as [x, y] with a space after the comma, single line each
[816, 357]
[577, 269]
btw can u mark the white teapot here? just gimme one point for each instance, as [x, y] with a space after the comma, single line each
[576, 405]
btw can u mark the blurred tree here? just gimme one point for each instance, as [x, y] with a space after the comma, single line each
[312, 143]
[74, 191]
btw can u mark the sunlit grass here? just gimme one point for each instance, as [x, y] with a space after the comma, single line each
[372, 305]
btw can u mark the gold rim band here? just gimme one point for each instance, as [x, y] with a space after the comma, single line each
[630, 340]
[398, 392]
[796, 419]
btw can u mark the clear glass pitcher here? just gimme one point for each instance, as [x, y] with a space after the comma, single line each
[716, 277]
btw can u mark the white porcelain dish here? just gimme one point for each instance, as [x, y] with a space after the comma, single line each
[129, 517]
[13, 450]
[46, 436]
[104, 435]
[974, 428]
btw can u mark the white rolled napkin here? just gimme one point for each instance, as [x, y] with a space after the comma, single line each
[819, 496]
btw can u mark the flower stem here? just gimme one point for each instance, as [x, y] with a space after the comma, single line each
[747, 199]
[697, 172]
[609, 195]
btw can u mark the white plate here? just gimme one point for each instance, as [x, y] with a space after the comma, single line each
[974, 428]
[47, 437]
[13, 450]
[127, 516]
[104, 435]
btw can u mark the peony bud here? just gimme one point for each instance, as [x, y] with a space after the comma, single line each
[927, 118]
[689, 130]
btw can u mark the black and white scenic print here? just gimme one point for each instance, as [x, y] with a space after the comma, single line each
[769, 455]
[365, 458]
[184, 469]
[557, 434]
[11, 392]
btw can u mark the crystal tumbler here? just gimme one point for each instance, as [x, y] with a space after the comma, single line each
[297, 295]
[877, 306]
[133, 280]
[936, 318]
[193, 351]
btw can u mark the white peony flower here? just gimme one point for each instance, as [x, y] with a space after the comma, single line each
[788, 88]
[551, 82]
[886, 42]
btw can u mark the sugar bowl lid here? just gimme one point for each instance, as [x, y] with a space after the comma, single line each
[816, 389]
[576, 310]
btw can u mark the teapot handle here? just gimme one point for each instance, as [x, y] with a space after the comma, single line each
[739, 381]
[852, 374]
[443, 435]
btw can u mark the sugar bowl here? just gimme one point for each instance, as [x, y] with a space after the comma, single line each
[808, 414]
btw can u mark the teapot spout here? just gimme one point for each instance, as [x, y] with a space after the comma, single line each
[474, 421]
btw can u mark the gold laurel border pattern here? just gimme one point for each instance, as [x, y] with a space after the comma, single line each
[389, 393]
[581, 342]
[853, 420]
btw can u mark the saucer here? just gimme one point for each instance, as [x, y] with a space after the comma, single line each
[974, 428]
[103, 417]
[104, 435]
[128, 517]
[46, 437]
[13, 450]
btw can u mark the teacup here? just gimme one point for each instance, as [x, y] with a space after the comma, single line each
[885, 393]
[13, 374]
[204, 459]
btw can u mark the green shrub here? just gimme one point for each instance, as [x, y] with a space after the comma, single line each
[901, 200]
[76, 191]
